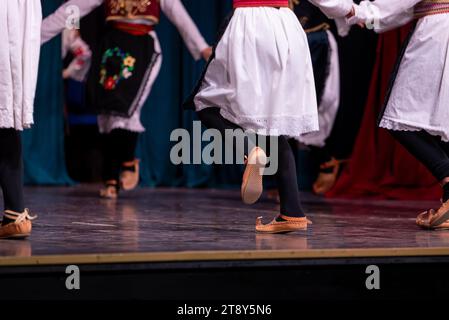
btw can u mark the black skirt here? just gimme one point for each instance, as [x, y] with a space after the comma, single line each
[120, 71]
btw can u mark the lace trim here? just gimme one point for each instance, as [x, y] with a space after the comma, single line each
[7, 121]
[291, 126]
[398, 126]
[108, 123]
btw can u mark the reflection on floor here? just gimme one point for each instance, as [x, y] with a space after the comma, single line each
[75, 221]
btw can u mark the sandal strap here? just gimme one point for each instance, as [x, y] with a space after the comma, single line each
[19, 217]
[111, 183]
[130, 164]
[330, 164]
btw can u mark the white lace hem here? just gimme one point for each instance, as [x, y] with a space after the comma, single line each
[8, 121]
[279, 125]
[108, 123]
[401, 126]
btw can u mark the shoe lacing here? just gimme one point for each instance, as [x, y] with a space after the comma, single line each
[19, 217]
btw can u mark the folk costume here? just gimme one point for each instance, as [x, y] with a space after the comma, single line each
[123, 73]
[260, 79]
[416, 110]
[20, 22]
[326, 68]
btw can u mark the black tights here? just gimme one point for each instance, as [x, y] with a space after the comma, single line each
[11, 172]
[286, 178]
[119, 146]
[430, 151]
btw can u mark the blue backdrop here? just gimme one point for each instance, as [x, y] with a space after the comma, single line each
[44, 144]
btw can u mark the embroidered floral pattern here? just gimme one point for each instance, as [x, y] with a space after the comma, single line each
[116, 65]
[128, 7]
[129, 62]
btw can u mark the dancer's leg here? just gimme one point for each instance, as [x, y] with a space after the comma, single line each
[286, 175]
[129, 165]
[11, 171]
[287, 181]
[443, 145]
[292, 217]
[111, 165]
[430, 152]
[252, 181]
[111, 158]
[212, 119]
[127, 141]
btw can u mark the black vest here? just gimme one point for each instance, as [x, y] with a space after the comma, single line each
[311, 18]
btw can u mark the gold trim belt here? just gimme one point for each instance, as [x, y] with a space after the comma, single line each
[430, 7]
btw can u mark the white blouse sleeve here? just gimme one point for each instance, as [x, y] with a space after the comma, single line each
[334, 8]
[177, 14]
[80, 65]
[56, 22]
[384, 15]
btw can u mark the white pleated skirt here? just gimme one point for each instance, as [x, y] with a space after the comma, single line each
[419, 98]
[20, 25]
[262, 76]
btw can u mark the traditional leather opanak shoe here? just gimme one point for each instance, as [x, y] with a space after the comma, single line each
[21, 226]
[129, 178]
[290, 224]
[110, 191]
[326, 181]
[252, 182]
[424, 220]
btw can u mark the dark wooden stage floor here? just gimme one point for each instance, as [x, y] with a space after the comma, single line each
[197, 245]
[179, 224]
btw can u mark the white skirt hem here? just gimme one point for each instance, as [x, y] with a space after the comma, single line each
[279, 125]
[399, 125]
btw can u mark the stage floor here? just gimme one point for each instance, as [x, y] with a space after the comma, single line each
[181, 224]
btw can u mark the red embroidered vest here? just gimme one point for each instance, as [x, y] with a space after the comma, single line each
[133, 9]
[260, 3]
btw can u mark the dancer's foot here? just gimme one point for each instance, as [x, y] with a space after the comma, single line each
[423, 221]
[327, 177]
[19, 227]
[110, 190]
[252, 184]
[283, 224]
[433, 220]
[129, 178]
